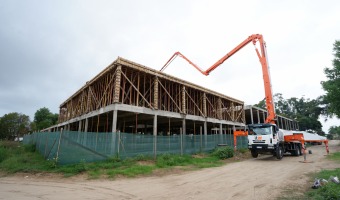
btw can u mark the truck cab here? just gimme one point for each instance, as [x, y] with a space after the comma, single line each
[265, 138]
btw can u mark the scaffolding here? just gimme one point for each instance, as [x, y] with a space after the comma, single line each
[132, 98]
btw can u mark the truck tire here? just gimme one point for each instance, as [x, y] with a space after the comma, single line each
[298, 149]
[279, 152]
[254, 154]
[301, 152]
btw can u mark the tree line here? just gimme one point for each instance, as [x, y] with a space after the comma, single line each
[15, 124]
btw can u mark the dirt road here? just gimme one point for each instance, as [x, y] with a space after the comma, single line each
[261, 178]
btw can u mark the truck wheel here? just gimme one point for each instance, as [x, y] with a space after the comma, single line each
[254, 154]
[279, 152]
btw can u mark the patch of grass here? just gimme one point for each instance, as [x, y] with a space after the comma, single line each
[335, 156]
[131, 171]
[169, 160]
[206, 162]
[20, 158]
[15, 157]
[95, 174]
[3, 154]
[329, 190]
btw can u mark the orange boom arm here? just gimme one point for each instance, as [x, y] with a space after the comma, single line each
[262, 55]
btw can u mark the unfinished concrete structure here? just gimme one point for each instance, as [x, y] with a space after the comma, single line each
[256, 115]
[132, 98]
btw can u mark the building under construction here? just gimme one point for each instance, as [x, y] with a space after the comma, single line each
[132, 98]
[130, 110]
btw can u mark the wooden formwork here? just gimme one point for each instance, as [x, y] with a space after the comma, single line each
[126, 82]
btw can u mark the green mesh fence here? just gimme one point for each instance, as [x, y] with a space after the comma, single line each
[74, 147]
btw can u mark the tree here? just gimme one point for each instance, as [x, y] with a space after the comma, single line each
[14, 125]
[305, 111]
[334, 131]
[43, 118]
[332, 85]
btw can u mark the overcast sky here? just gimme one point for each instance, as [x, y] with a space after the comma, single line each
[49, 49]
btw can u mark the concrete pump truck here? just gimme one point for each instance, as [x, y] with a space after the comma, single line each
[263, 138]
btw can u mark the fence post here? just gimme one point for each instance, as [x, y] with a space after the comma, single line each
[155, 136]
[184, 134]
[180, 134]
[201, 146]
[118, 142]
[57, 156]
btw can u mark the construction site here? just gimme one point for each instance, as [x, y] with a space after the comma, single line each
[147, 112]
[130, 97]
[129, 109]
[171, 100]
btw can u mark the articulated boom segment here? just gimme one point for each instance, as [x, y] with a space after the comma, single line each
[263, 60]
[272, 139]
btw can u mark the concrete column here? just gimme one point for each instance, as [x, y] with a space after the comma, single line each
[251, 115]
[117, 84]
[114, 121]
[79, 127]
[184, 127]
[205, 128]
[86, 124]
[221, 130]
[155, 125]
[264, 116]
[258, 117]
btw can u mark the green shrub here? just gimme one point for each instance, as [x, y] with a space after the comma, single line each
[114, 159]
[223, 152]
[3, 154]
[329, 191]
[142, 157]
[168, 160]
[30, 147]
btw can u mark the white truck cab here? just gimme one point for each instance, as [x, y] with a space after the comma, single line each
[265, 139]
